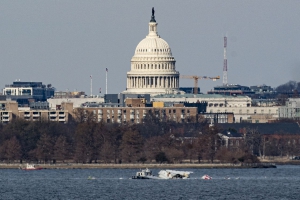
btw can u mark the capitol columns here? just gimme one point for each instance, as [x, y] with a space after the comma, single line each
[173, 81]
[158, 82]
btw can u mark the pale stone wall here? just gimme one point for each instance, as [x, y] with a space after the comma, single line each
[76, 101]
[246, 113]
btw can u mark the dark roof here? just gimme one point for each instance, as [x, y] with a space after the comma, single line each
[231, 134]
[266, 128]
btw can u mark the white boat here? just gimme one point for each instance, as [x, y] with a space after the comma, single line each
[144, 174]
[31, 167]
[173, 174]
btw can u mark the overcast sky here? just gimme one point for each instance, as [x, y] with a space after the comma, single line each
[63, 42]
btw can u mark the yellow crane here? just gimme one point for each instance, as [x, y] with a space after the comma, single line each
[196, 78]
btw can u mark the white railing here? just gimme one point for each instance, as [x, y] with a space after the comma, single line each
[5, 115]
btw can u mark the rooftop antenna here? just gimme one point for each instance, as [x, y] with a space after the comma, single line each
[225, 63]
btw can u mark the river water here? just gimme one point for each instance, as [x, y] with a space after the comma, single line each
[282, 182]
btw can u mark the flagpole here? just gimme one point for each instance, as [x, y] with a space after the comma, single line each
[106, 81]
[91, 86]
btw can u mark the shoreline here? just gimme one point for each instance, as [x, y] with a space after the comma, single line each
[150, 166]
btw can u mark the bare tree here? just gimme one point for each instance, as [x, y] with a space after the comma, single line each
[174, 155]
[13, 149]
[253, 141]
[61, 149]
[44, 149]
[131, 146]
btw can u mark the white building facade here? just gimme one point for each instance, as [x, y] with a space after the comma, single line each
[213, 100]
[240, 106]
[77, 102]
[152, 66]
[291, 109]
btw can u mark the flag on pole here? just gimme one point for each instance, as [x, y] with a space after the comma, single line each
[106, 70]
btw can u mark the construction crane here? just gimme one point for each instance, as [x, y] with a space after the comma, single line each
[196, 78]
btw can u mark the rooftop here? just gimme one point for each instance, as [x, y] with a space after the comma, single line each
[197, 96]
[265, 128]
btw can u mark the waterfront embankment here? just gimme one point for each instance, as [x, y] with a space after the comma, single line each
[141, 166]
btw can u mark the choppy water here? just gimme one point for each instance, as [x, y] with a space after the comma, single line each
[280, 183]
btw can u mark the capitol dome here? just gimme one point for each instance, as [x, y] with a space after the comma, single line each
[152, 66]
[153, 45]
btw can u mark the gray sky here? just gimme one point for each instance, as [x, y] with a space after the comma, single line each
[63, 42]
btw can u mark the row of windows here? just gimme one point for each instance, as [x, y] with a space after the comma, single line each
[163, 111]
[152, 59]
[153, 50]
[154, 66]
[247, 111]
[132, 120]
[222, 105]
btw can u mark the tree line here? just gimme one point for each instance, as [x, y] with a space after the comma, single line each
[85, 141]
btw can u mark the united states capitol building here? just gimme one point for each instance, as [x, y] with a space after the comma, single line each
[152, 79]
[152, 66]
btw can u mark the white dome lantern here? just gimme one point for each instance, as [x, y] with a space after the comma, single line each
[152, 66]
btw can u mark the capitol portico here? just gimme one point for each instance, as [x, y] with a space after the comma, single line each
[152, 66]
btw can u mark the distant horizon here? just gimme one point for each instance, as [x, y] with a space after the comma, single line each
[102, 93]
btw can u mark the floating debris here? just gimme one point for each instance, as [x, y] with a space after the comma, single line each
[91, 178]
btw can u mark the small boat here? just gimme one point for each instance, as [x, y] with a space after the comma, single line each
[144, 174]
[206, 177]
[31, 167]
